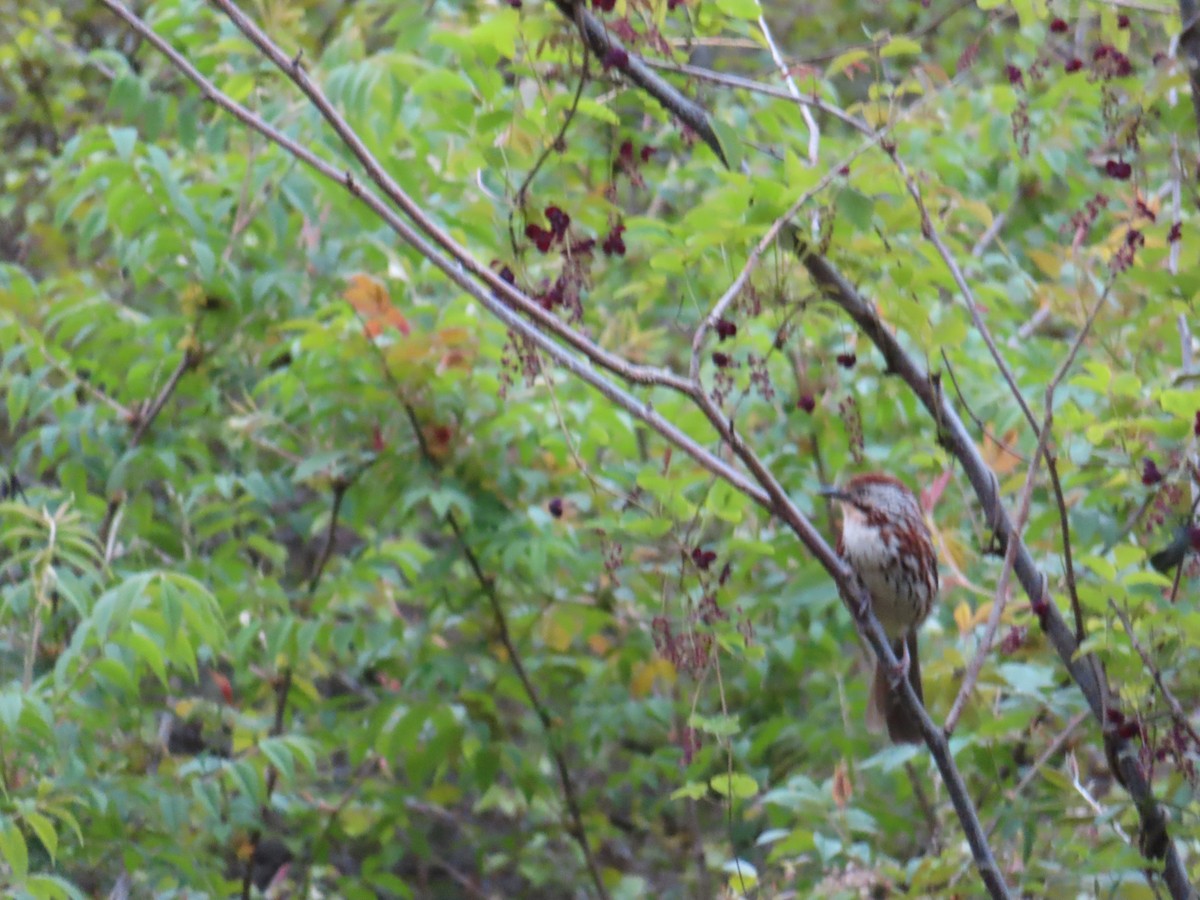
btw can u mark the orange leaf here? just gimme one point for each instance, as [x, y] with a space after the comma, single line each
[843, 787]
[223, 685]
[371, 300]
[1000, 460]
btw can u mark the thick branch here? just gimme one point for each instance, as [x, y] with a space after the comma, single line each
[1084, 669]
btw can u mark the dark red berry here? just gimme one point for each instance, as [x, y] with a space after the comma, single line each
[1175, 234]
[1194, 537]
[647, 152]
[559, 221]
[703, 558]
[1122, 21]
[1013, 640]
[604, 5]
[556, 507]
[1074, 64]
[725, 329]
[1118, 169]
[1128, 730]
[615, 57]
[847, 360]
[1114, 715]
[541, 238]
[1150, 473]
[1196, 427]
[1058, 26]
[614, 244]
[806, 403]
[1015, 76]
[720, 360]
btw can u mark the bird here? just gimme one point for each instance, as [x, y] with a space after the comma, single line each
[885, 540]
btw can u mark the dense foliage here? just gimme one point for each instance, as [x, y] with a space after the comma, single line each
[317, 579]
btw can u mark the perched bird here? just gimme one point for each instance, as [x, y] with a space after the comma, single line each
[886, 541]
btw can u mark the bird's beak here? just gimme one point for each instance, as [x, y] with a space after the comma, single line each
[833, 493]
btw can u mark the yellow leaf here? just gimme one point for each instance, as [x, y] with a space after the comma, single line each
[183, 708]
[558, 629]
[599, 644]
[846, 60]
[1049, 262]
[962, 618]
[955, 550]
[646, 673]
[981, 614]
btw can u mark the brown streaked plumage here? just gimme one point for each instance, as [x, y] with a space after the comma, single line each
[885, 540]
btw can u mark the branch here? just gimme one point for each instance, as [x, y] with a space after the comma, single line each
[1156, 842]
[141, 420]
[1177, 714]
[1189, 42]
[747, 84]
[283, 686]
[814, 133]
[993, 622]
[501, 295]
[601, 41]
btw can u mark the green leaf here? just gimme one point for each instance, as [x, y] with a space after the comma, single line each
[123, 140]
[740, 9]
[734, 785]
[856, 208]
[693, 790]
[13, 848]
[900, 46]
[721, 726]
[44, 829]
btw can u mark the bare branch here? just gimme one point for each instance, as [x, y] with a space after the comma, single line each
[814, 133]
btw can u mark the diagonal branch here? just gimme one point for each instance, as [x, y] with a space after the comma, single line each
[1083, 668]
[593, 32]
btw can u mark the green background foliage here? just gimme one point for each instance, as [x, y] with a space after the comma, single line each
[239, 629]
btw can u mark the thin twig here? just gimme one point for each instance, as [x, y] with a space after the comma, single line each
[283, 685]
[141, 421]
[1044, 433]
[814, 133]
[1000, 600]
[1052, 748]
[746, 84]
[1177, 712]
[556, 144]
[929, 230]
